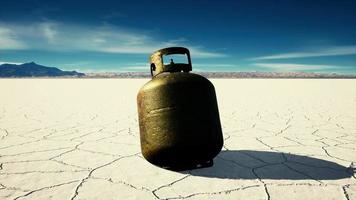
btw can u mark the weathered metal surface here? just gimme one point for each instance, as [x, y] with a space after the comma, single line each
[178, 116]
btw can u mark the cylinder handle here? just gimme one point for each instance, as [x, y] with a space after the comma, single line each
[156, 61]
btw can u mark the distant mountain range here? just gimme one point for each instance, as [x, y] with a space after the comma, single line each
[231, 75]
[32, 69]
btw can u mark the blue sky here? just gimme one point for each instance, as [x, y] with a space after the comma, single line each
[248, 35]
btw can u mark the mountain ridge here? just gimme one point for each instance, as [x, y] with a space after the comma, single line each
[32, 69]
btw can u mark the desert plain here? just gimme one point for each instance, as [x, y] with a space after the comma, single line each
[79, 139]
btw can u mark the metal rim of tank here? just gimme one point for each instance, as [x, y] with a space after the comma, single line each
[157, 65]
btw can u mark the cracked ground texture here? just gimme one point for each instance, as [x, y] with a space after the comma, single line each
[79, 139]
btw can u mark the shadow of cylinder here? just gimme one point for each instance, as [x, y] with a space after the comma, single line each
[246, 164]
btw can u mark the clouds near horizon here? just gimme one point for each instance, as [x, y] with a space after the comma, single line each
[330, 51]
[295, 66]
[106, 38]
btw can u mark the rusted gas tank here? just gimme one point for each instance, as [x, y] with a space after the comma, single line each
[178, 115]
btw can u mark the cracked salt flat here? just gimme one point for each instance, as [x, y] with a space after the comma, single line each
[79, 139]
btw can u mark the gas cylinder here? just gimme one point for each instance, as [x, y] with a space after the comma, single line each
[178, 115]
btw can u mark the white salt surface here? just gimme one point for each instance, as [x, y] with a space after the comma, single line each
[79, 139]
